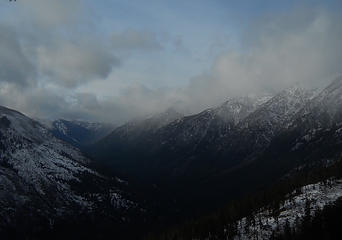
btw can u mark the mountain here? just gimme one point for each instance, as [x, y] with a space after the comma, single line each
[212, 123]
[255, 133]
[226, 134]
[189, 143]
[225, 152]
[276, 114]
[231, 134]
[177, 166]
[316, 128]
[126, 146]
[324, 110]
[44, 179]
[298, 205]
[305, 207]
[137, 128]
[79, 133]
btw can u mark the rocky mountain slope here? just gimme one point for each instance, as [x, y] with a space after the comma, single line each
[130, 140]
[185, 162]
[42, 177]
[228, 135]
[306, 200]
[245, 141]
[79, 133]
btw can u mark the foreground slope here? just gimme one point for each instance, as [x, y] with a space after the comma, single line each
[43, 179]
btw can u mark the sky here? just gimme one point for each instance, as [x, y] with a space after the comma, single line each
[116, 60]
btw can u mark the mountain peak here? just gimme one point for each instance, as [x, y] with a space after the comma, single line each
[277, 112]
[335, 86]
[293, 91]
[168, 114]
[79, 133]
[237, 108]
[161, 119]
[330, 99]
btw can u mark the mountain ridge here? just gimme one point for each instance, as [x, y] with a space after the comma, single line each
[202, 151]
[42, 177]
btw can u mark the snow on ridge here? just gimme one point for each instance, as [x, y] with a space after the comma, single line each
[291, 211]
[60, 126]
[36, 160]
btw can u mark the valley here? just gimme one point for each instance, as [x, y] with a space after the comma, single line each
[169, 168]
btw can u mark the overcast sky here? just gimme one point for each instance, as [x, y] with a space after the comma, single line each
[114, 60]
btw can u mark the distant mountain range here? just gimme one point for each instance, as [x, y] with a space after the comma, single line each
[78, 133]
[244, 144]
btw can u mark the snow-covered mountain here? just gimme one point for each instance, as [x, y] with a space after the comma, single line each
[258, 129]
[256, 120]
[274, 219]
[128, 141]
[295, 137]
[241, 137]
[324, 110]
[137, 128]
[44, 177]
[220, 153]
[213, 122]
[277, 113]
[150, 145]
[79, 133]
[264, 222]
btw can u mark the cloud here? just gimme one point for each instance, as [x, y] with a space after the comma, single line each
[50, 13]
[15, 66]
[42, 68]
[300, 47]
[72, 64]
[135, 40]
[45, 42]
